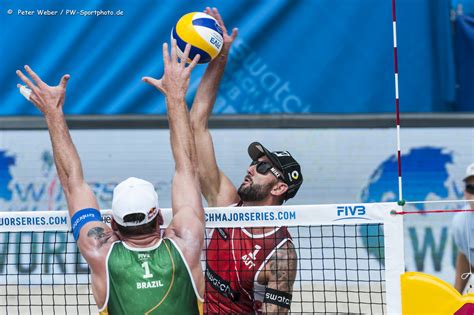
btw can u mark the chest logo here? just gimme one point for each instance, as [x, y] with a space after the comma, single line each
[249, 259]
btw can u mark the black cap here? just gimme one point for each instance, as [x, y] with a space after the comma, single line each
[284, 162]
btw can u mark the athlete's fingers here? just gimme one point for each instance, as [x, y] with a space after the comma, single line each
[34, 99]
[150, 80]
[235, 32]
[154, 82]
[34, 76]
[174, 56]
[184, 58]
[64, 80]
[194, 62]
[25, 80]
[166, 56]
[220, 21]
[26, 92]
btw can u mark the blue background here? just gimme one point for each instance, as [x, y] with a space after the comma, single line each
[323, 56]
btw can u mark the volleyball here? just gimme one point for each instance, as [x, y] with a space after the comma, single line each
[202, 32]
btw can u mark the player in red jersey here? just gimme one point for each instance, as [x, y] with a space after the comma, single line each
[248, 270]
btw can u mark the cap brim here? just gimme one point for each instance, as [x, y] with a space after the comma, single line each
[467, 177]
[256, 150]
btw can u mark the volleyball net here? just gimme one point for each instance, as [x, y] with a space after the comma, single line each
[349, 257]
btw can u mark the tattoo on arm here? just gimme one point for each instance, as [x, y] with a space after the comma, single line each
[97, 233]
[282, 273]
[283, 268]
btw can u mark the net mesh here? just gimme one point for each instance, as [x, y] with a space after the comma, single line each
[340, 269]
[43, 273]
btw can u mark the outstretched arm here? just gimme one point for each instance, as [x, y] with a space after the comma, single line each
[280, 273]
[188, 213]
[50, 100]
[216, 187]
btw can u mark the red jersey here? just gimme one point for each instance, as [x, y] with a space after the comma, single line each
[235, 258]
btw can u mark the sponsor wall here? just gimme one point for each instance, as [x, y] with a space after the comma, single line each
[339, 166]
[344, 64]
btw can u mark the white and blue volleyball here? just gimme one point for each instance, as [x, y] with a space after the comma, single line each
[202, 32]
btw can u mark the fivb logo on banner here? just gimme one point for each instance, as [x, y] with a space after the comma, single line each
[40, 190]
[25, 187]
[351, 212]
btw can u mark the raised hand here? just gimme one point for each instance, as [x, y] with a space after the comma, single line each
[228, 39]
[46, 98]
[175, 81]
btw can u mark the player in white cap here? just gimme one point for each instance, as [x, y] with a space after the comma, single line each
[463, 233]
[134, 269]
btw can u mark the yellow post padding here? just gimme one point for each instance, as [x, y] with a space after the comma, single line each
[425, 294]
[187, 32]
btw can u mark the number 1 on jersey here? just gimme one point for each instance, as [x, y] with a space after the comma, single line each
[147, 270]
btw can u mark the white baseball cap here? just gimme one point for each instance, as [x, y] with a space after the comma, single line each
[134, 195]
[469, 171]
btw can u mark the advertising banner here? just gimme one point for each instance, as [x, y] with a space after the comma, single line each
[319, 56]
[340, 166]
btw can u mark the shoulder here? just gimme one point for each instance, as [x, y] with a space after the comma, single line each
[281, 267]
[288, 249]
[284, 257]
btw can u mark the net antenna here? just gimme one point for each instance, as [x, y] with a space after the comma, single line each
[397, 103]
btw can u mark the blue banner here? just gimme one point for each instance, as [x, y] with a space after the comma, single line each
[313, 56]
[464, 52]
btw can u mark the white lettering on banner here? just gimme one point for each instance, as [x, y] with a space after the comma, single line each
[249, 70]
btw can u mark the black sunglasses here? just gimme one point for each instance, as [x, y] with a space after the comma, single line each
[263, 168]
[470, 188]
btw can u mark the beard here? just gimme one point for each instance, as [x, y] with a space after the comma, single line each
[254, 192]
